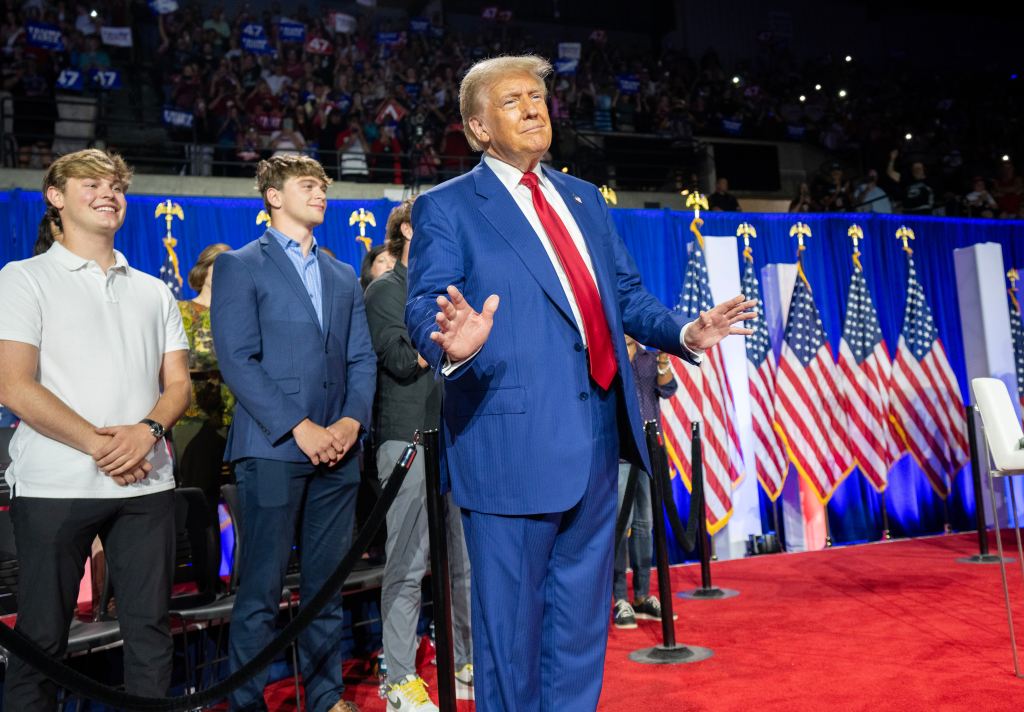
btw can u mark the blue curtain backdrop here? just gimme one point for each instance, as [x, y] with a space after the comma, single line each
[658, 241]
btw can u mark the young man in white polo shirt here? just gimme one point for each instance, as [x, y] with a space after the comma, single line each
[93, 359]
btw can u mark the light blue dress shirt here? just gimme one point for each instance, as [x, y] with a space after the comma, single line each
[308, 268]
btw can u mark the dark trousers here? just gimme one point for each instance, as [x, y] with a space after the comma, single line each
[276, 499]
[54, 539]
[540, 589]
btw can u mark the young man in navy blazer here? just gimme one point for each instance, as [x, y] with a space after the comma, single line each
[291, 336]
[539, 397]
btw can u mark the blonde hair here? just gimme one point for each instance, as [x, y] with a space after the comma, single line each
[197, 275]
[486, 72]
[88, 163]
[273, 172]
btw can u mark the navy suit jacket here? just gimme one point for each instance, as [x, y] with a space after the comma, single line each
[274, 355]
[517, 432]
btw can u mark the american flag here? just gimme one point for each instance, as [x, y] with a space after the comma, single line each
[808, 414]
[926, 406]
[704, 395]
[865, 370]
[169, 274]
[1017, 332]
[769, 456]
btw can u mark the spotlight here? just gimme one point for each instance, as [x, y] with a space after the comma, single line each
[817, 87]
[1006, 158]
[735, 80]
[803, 98]
[909, 136]
[842, 93]
[93, 14]
[849, 58]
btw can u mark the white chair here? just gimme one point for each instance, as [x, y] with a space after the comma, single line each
[1005, 440]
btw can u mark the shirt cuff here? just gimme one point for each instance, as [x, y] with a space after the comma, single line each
[449, 368]
[697, 354]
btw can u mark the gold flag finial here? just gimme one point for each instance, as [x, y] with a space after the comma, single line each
[746, 231]
[169, 210]
[1014, 277]
[800, 230]
[696, 201]
[906, 234]
[362, 217]
[263, 217]
[609, 195]
[856, 233]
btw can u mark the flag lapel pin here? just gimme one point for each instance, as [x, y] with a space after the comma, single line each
[578, 199]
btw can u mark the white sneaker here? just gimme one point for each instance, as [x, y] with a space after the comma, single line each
[410, 695]
[464, 683]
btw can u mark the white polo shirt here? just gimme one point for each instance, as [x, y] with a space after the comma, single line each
[101, 340]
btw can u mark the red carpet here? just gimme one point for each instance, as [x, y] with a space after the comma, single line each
[894, 626]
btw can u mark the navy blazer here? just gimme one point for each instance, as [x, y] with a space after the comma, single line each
[274, 355]
[515, 425]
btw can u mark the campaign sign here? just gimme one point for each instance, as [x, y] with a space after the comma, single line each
[42, 34]
[419, 25]
[163, 7]
[254, 39]
[318, 45]
[390, 38]
[732, 127]
[116, 36]
[569, 50]
[70, 80]
[291, 31]
[566, 66]
[180, 119]
[628, 83]
[342, 22]
[105, 78]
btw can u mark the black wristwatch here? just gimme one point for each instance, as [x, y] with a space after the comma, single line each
[154, 427]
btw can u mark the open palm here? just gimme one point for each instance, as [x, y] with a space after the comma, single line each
[462, 331]
[715, 324]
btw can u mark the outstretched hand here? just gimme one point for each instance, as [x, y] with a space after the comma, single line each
[715, 324]
[462, 330]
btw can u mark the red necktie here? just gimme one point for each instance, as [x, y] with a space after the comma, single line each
[599, 342]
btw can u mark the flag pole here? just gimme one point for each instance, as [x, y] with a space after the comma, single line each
[828, 528]
[886, 535]
[983, 556]
[777, 522]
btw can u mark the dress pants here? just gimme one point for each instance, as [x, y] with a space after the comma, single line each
[640, 541]
[540, 589]
[408, 549]
[54, 537]
[279, 499]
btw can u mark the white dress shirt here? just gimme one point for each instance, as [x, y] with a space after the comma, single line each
[511, 178]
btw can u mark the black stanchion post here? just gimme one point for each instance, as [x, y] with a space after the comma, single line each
[706, 590]
[669, 651]
[439, 580]
[983, 556]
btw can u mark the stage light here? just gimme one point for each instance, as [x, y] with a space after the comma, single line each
[93, 14]
[817, 87]
[909, 136]
[842, 93]
[849, 58]
[1013, 76]
[1006, 158]
[803, 98]
[735, 80]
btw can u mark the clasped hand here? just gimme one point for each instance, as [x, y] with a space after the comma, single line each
[326, 446]
[121, 452]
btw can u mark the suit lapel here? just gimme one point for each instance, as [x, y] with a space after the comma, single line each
[273, 249]
[327, 289]
[508, 220]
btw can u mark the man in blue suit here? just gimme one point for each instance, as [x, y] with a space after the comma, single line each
[293, 345]
[539, 396]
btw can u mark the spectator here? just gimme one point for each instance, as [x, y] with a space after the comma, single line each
[1008, 191]
[803, 202]
[722, 200]
[376, 262]
[387, 156]
[869, 196]
[288, 141]
[979, 203]
[35, 112]
[836, 196]
[353, 147]
[918, 195]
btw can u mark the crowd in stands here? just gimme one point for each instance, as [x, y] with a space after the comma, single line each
[378, 101]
